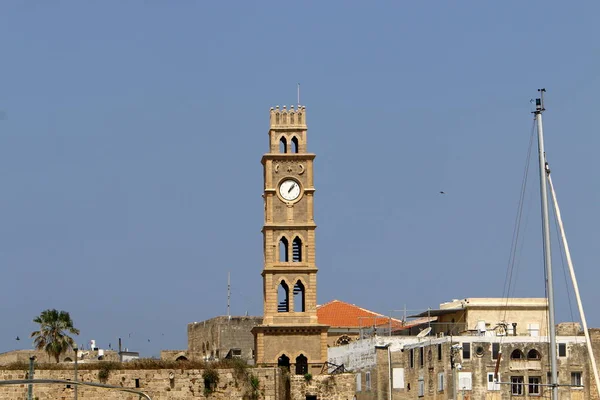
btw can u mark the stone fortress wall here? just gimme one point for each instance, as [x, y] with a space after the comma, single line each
[183, 384]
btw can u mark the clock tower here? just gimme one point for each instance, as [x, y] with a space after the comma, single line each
[290, 335]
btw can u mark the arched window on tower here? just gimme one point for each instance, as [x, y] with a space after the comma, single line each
[283, 145]
[294, 144]
[283, 250]
[283, 297]
[301, 365]
[299, 296]
[297, 249]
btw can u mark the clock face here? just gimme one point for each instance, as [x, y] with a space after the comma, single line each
[289, 190]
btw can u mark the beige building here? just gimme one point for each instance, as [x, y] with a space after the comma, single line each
[490, 316]
[458, 357]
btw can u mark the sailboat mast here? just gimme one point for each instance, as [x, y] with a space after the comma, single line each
[539, 109]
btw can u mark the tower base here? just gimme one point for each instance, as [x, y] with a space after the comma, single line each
[292, 346]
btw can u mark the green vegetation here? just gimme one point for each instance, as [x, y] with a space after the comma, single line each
[53, 335]
[105, 368]
[211, 378]
[308, 377]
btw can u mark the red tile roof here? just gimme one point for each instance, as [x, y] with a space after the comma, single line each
[338, 314]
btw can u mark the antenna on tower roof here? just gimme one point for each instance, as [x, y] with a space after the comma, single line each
[298, 95]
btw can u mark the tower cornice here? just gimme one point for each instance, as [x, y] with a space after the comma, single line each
[287, 157]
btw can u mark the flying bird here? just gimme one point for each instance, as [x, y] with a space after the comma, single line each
[442, 192]
[17, 338]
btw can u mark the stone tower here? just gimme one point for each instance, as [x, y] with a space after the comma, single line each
[290, 334]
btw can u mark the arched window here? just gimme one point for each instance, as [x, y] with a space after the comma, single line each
[533, 354]
[294, 144]
[283, 145]
[283, 361]
[181, 358]
[283, 297]
[343, 340]
[297, 249]
[516, 355]
[68, 359]
[301, 365]
[283, 250]
[299, 297]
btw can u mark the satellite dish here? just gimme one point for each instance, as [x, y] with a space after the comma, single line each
[424, 332]
[171, 375]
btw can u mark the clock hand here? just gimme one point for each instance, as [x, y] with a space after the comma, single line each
[291, 187]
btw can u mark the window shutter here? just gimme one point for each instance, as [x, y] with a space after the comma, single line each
[398, 378]
[464, 381]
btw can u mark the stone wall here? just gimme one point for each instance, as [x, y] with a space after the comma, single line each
[42, 357]
[216, 336]
[183, 384]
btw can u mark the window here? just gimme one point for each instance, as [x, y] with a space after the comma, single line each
[533, 329]
[495, 350]
[421, 387]
[516, 385]
[284, 362]
[283, 145]
[466, 352]
[294, 144]
[441, 382]
[297, 249]
[343, 340]
[301, 365]
[299, 297]
[533, 354]
[439, 352]
[137, 382]
[576, 379]
[283, 250]
[368, 380]
[358, 382]
[411, 355]
[562, 349]
[421, 356]
[534, 385]
[479, 350]
[398, 378]
[516, 354]
[493, 384]
[283, 299]
[465, 381]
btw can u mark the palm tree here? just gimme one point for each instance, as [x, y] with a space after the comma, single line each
[53, 335]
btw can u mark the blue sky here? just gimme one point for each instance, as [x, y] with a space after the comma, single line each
[132, 132]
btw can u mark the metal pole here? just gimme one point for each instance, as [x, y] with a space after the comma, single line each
[228, 293]
[539, 108]
[30, 376]
[575, 285]
[75, 379]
